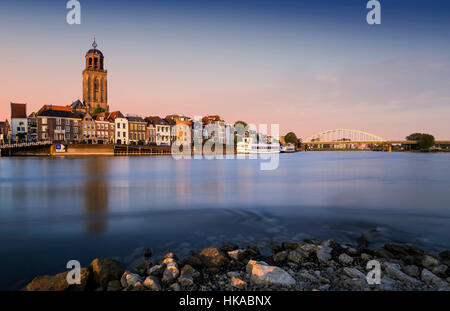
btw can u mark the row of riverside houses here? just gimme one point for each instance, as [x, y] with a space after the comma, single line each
[74, 124]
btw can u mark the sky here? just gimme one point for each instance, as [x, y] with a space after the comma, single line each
[308, 66]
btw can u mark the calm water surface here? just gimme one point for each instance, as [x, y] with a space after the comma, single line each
[55, 210]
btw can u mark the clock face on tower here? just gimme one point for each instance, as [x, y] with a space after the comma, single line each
[95, 81]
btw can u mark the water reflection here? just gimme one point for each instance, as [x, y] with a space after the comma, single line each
[96, 194]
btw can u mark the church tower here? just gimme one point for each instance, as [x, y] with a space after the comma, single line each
[95, 84]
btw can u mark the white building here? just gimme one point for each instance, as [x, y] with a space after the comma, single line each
[19, 122]
[121, 135]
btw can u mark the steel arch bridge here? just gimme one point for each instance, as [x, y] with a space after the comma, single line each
[345, 136]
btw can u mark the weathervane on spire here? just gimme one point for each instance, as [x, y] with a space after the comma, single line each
[94, 44]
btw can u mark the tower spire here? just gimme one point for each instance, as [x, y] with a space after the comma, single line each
[94, 44]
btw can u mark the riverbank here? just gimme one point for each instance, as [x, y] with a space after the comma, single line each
[306, 265]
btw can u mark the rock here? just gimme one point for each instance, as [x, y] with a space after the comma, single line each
[189, 270]
[263, 274]
[228, 247]
[139, 287]
[280, 256]
[440, 270]
[230, 274]
[305, 275]
[175, 287]
[297, 256]
[193, 261]
[366, 257]
[129, 279]
[429, 262]
[238, 254]
[330, 244]
[148, 253]
[323, 254]
[170, 273]
[166, 261]
[213, 258]
[352, 251]
[394, 271]
[345, 259]
[114, 286]
[290, 245]
[308, 248]
[383, 253]
[170, 255]
[152, 283]
[58, 282]
[253, 250]
[432, 280]
[156, 270]
[362, 241]
[238, 283]
[186, 281]
[412, 270]
[356, 283]
[354, 273]
[105, 270]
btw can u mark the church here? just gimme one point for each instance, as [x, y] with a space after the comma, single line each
[95, 84]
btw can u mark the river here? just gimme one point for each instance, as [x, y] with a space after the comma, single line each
[53, 210]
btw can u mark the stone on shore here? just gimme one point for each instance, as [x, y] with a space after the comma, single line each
[280, 256]
[189, 270]
[323, 254]
[238, 283]
[394, 271]
[156, 270]
[171, 272]
[354, 273]
[213, 258]
[58, 282]
[186, 281]
[114, 286]
[345, 259]
[263, 274]
[105, 270]
[129, 279]
[152, 283]
[412, 270]
[228, 247]
[238, 254]
[432, 280]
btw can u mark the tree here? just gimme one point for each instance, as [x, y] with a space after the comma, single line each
[426, 141]
[98, 110]
[291, 138]
[240, 122]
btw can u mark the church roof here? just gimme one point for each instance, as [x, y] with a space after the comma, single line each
[94, 50]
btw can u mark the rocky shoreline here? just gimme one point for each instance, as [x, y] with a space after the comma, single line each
[307, 265]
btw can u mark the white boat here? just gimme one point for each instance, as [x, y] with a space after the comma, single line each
[247, 146]
[288, 148]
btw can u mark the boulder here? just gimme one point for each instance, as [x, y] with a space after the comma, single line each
[104, 270]
[238, 283]
[394, 271]
[152, 283]
[432, 280]
[263, 274]
[323, 254]
[114, 286]
[58, 282]
[354, 273]
[129, 279]
[189, 270]
[186, 281]
[290, 245]
[297, 256]
[213, 258]
[156, 270]
[345, 259]
[412, 270]
[171, 272]
[238, 254]
[429, 262]
[440, 270]
[228, 247]
[280, 256]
